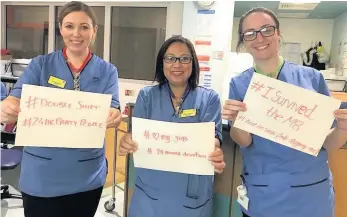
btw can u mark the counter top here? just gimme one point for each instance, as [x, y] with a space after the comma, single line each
[339, 95]
[335, 77]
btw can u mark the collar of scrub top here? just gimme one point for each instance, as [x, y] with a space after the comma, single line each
[181, 100]
[76, 80]
[272, 74]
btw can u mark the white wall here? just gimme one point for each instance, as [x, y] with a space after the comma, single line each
[339, 35]
[221, 37]
[304, 31]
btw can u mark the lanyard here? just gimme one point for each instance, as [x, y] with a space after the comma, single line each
[76, 83]
[76, 80]
[272, 74]
[181, 100]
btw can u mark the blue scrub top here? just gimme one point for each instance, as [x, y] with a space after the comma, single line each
[282, 181]
[50, 172]
[169, 194]
[3, 91]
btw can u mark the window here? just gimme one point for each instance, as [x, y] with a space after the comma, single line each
[98, 46]
[136, 36]
[26, 31]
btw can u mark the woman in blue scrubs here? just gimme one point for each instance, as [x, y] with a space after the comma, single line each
[280, 181]
[59, 182]
[169, 194]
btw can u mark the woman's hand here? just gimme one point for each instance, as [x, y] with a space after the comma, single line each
[10, 109]
[127, 145]
[341, 118]
[217, 159]
[231, 108]
[114, 118]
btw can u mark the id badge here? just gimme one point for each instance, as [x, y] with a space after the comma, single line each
[242, 198]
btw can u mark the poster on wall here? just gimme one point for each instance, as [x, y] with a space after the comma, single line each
[205, 21]
[203, 49]
[290, 52]
[344, 50]
[202, 43]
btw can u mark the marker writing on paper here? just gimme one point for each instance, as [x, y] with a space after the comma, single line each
[37, 121]
[304, 113]
[159, 151]
[163, 137]
[35, 102]
[294, 143]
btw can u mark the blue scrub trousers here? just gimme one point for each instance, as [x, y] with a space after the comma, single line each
[73, 205]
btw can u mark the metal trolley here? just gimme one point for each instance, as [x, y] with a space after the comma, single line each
[110, 204]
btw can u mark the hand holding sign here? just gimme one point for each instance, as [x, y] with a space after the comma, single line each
[231, 109]
[127, 145]
[286, 114]
[217, 160]
[10, 109]
[341, 117]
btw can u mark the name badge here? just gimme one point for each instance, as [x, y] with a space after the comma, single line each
[56, 81]
[242, 197]
[188, 113]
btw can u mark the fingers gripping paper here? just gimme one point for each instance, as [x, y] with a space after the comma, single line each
[52, 117]
[292, 116]
[174, 147]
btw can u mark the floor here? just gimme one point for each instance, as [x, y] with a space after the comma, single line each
[13, 207]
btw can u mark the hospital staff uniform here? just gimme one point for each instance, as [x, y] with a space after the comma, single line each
[281, 181]
[169, 194]
[54, 172]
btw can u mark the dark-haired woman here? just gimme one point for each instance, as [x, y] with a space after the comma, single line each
[280, 181]
[62, 182]
[161, 193]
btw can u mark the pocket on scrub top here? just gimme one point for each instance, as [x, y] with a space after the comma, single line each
[311, 184]
[199, 191]
[90, 158]
[36, 156]
[94, 85]
[147, 190]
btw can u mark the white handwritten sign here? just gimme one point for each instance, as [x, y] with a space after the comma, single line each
[287, 114]
[174, 147]
[52, 117]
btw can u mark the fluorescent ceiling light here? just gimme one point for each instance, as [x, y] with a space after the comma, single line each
[297, 6]
[293, 15]
[300, 1]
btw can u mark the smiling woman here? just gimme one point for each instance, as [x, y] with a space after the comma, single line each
[305, 180]
[47, 193]
[97, 45]
[78, 28]
[176, 96]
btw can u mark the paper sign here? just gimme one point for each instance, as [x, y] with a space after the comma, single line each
[295, 117]
[174, 147]
[52, 117]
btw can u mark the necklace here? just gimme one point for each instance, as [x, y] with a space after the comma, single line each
[177, 104]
